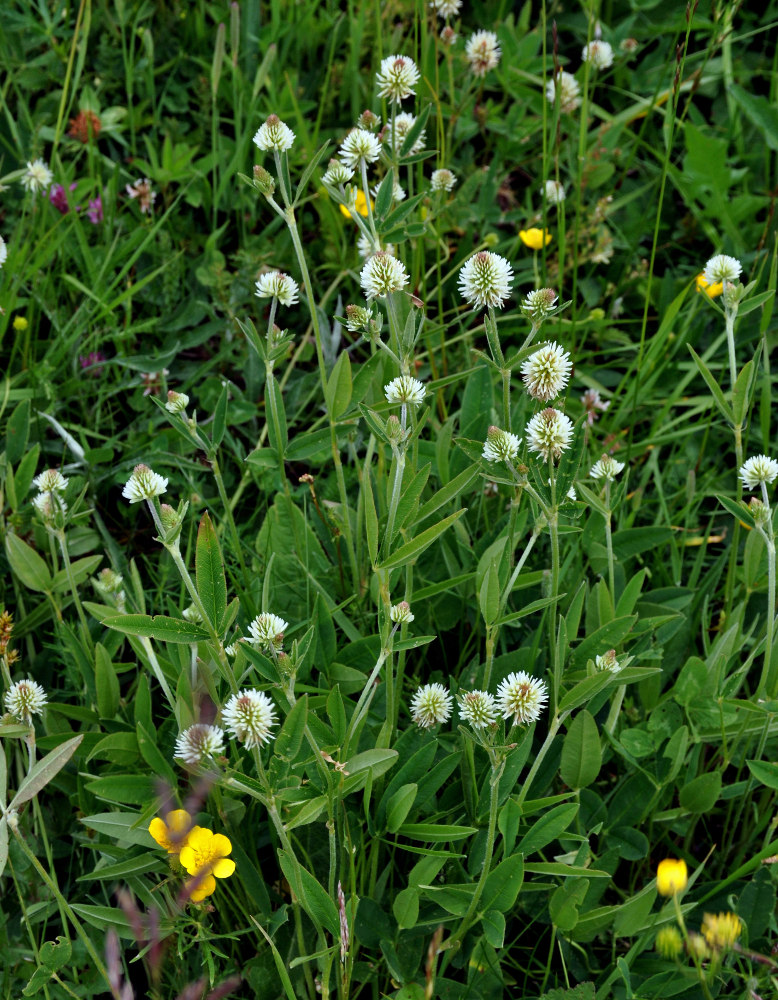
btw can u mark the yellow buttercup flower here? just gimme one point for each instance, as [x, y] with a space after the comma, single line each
[172, 832]
[20, 324]
[703, 285]
[671, 877]
[721, 931]
[361, 205]
[204, 856]
[535, 239]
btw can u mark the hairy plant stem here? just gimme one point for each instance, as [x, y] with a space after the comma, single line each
[236, 543]
[394, 500]
[553, 729]
[553, 528]
[74, 589]
[768, 683]
[609, 541]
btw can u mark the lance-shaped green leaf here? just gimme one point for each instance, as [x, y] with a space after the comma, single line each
[418, 544]
[26, 564]
[712, 384]
[737, 509]
[157, 627]
[209, 571]
[41, 773]
[338, 391]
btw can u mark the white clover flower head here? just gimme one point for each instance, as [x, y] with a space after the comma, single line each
[546, 372]
[359, 146]
[248, 717]
[337, 173]
[358, 318]
[396, 78]
[382, 274]
[442, 180]
[369, 120]
[50, 480]
[191, 614]
[366, 249]
[405, 389]
[143, 484]
[606, 468]
[485, 279]
[539, 304]
[446, 8]
[24, 699]
[448, 36]
[37, 177]
[275, 284]
[273, 135]
[598, 53]
[267, 631]
[401, 613]
[478, 708]
[398, 127]
[608, 661]
[142, 190]
[569, 91]
[3, 251]
[555, 192]
[722, 268]
[177, 402]
[549, 433]
[483, 52]
[500, 445]
[522, 697]
[758, 471]
[591, 402]
[49, 505]
[199, 744]
[431, 706]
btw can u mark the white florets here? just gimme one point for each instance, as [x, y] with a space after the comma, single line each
[277, 285]
[199, 743]
[3, 251]
[483, 52]
[366, 247]
[359, 146]
[267, 631]
[549, 433]
[446, 8]
[49, 506]
[382, 274]
[608, 661]
[37, 176]
[478, 708]
[485, 279]
[598, 53]
[500, 445]
[546, 372]
[248, 717]
[442, 180]
[337, 173]
[591, 402]
[431, 705]
[758, 471]
[555, 192]
[50, 480]
[606, 468]
[273, 135]
[143, 484]
[398, 127]
[177, 402]
[569, 91]
[539, 304]
[722, 268]
[24, 699]
[522, 697]
[405, 389]
[397, 77]
[401, 613]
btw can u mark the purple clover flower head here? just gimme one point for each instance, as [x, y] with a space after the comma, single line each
[92, 362]
[58, 197]
[95, 210]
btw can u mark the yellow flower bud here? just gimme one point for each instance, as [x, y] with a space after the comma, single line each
[535, 239]
[671, 877]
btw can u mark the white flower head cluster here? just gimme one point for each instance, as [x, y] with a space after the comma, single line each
[49, 507]
[522, 697]
[396, 78]
[446, 8]
[539, 303]
[177, 402]
[337, 174]
[722, 268]
[398, 127]
[382, 274]
[199, 744]
[50, 481]
[431, 705]
[608, 661]
[483, 52]
[24, 699]
[442, 180]
[546, 372]
[274, 136]
[606, 468]
[267, 631]
[143, 484]
[478, 708]
[275, 284]
[592, 402]
[500, 445]
[37, 177]
[485, 279]
[549, 433]
[555, 192]
[405, 389]
[758, 471]
[366, 248]
[359, 146]
[3, 251]
[249, 717]
[598, 53]
[569, 91]
[401, 613]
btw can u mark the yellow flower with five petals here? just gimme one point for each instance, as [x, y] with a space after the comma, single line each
[205, 856]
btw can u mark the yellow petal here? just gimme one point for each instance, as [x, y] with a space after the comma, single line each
[205, 888]
[220, 845]
[223, 868]
[158, 831]
[200, 839]
[188, 859]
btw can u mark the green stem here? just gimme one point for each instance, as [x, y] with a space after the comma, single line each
[394, 500]
[769, 682]
[236, 543]
[74, 589]
[682, 924]
[609, 541]
[553, 729]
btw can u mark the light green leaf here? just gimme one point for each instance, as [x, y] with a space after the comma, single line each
[209, 570]
[338, 391]
[42, 773]
[418, 544]
[27, 565]
[157, 627]
[581, 752]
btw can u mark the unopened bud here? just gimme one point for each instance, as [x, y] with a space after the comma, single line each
[264, 181]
